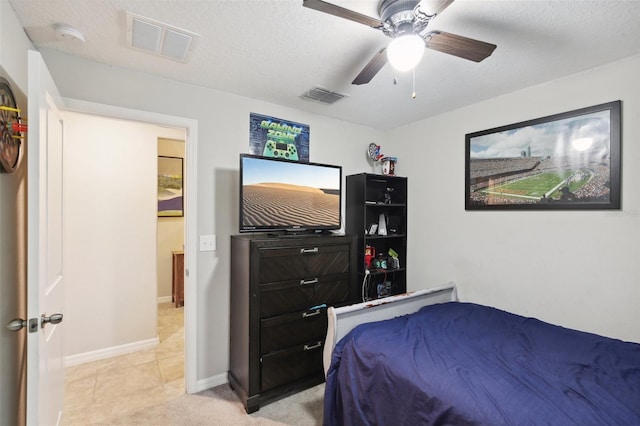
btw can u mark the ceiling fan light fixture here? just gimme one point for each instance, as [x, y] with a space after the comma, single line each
[405, 52]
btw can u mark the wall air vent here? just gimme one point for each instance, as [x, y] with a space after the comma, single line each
[159, 38]
[322, 95]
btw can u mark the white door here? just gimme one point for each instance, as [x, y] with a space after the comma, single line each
[45, 379]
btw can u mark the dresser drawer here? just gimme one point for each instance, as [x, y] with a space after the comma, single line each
[289, 365]
[308, 261]
[294, 329]
[298, 295]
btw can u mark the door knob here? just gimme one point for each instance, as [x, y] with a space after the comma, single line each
[53, 319]
[18, 324]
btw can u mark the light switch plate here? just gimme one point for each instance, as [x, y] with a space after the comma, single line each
[207, 243]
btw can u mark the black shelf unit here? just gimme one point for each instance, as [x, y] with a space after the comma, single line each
[369, 196]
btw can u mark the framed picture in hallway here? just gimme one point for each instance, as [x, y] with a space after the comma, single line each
[170, 187]
[566, 161]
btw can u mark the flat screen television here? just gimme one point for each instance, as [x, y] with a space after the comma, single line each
[287, 196]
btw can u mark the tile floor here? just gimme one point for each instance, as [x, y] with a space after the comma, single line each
[95, 391]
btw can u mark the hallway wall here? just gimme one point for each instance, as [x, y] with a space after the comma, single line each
[110, 209]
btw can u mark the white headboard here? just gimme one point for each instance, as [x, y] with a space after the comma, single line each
[344, 319]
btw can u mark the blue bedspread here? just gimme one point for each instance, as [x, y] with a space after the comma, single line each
[461, 363]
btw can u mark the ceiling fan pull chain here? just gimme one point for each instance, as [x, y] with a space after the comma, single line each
[413, 95]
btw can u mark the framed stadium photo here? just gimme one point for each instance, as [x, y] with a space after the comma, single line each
[567, 161]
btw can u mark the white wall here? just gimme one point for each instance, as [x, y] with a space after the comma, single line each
[14, 45]
[110, 214]
[575, 268]
[223, 126]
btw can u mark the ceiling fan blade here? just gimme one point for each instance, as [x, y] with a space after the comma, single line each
[462, 47]
[371, 69]
[341, 12]
[434, 7]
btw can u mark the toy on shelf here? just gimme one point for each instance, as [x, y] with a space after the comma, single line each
[389, 165]
[381, 163]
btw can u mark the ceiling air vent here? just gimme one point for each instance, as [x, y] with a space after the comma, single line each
[322, 95]
[159, 38]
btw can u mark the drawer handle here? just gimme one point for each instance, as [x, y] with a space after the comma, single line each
[307, 282]
[309, 251]
[312, 347]
[311, 314]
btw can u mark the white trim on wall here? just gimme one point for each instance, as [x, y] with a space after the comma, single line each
[110, 352]
[190, 214]
[165, 299]
[213, 381]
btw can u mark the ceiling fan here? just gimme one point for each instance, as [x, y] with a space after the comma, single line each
[407, 21]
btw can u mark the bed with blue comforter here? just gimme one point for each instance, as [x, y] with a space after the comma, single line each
[461, 364]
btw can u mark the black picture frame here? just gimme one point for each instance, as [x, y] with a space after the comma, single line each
[566, 161]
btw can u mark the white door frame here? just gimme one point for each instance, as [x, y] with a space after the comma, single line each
[190, 214]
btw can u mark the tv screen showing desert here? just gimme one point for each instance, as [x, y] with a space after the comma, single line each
[286, 195]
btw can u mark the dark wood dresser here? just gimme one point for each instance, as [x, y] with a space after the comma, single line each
[177, 282]
[280, 290]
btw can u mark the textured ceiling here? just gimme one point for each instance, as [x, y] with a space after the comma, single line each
[275, 50]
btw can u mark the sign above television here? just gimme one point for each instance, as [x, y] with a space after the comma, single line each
[277, 138]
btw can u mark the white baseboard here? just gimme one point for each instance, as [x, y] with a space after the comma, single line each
[165, 299]
[202, 384]
[211, 382]
[110, 352]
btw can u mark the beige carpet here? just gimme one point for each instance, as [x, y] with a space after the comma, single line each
[220, 406]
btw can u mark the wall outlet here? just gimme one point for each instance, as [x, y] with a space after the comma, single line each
[207, 243]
